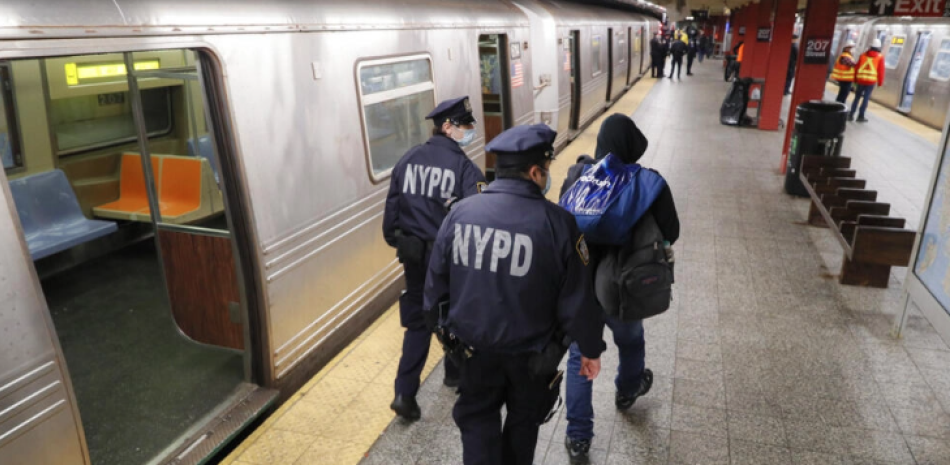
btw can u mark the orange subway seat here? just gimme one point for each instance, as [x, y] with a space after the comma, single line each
[180, 187]
[133, 197]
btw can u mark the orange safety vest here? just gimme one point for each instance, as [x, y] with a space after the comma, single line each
[870, 70]
[843, 72]
[739, 55]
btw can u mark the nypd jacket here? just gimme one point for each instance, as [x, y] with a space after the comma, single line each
[423, 179]
[514, 269]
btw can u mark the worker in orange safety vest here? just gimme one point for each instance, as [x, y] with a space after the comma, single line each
[869, 72]
[844, 72]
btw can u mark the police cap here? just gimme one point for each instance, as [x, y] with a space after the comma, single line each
[523, 145]
[457, 111]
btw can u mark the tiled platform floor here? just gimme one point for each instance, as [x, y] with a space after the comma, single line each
[764, 358]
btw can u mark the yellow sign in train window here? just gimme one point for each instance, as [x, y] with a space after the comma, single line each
[897, 41]
[76, 73]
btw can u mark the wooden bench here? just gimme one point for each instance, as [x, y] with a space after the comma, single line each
[872, 240]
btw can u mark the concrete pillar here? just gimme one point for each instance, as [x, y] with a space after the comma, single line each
[761, 56]
[749, 20]
[776, 69]
[820, 17]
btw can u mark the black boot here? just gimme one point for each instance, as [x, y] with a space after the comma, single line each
[406, 407]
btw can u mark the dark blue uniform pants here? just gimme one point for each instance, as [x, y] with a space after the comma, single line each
[488, 382]
[844, 88]
[416, 340]
[865, 92]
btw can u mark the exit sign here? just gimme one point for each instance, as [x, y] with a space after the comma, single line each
[920, 8]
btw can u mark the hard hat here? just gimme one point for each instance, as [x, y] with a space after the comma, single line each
[849, 44]
[876, 43]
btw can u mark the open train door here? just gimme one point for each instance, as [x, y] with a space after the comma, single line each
[203, 241]
[39, 420]
[913, 71]
[495, 65]
[575, 72]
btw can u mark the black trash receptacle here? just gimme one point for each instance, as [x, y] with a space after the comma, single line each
[819, 130]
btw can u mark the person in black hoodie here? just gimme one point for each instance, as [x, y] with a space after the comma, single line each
[620, 136]
[677, 50]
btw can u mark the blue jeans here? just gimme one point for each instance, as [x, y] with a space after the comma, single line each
[580, 410]
[865, 92]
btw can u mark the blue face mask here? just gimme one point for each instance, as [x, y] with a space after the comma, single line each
[468, 135]
[547, 186]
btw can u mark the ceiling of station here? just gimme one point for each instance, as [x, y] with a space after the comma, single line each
[677, 9]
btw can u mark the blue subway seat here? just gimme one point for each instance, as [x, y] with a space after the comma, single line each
[206, 151]
[50, 214]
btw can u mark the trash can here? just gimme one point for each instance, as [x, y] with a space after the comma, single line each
[819, 130]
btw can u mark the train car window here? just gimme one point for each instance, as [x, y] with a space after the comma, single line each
[396, 94]
[89, 102]
[940, 70]
[893, 56]
[595, 55]
[9, 134]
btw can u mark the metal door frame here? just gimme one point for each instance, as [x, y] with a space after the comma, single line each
[907, 86]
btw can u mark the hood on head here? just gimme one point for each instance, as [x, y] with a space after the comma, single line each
[620, 136]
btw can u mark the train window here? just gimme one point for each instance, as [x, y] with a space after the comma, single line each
[940, 70]
[595, 55]
[396, 95]
[893, 56]
[9, 135]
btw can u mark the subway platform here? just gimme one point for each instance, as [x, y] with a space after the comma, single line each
[763, 357]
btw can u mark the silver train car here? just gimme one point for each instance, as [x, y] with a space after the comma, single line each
[192, 194]
[916, 59]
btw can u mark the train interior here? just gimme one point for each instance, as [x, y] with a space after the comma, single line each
[494, 64]
[146, 306]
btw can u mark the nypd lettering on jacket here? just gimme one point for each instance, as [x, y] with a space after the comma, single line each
[428, 181]
[507, 252]
[513, 268]
[423, 179]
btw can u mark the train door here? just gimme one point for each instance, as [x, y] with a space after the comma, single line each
[123, 198]
[575, 61]
[611, 48]
[493, 54]
[629, 52]
[641, 48]
[913, 71]
[836, 42]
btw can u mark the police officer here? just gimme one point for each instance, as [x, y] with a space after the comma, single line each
[423, 181]
[508, 280]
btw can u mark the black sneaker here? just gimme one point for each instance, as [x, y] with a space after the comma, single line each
[406, 407]
[850, 117]
[862, 119]
[577, 450]
[624, 401]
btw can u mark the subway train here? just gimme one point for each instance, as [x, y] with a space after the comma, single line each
[192, 194]
[916, 59]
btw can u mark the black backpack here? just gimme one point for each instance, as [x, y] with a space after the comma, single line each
[635, 281]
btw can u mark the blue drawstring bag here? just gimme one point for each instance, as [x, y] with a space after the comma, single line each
[610, 197]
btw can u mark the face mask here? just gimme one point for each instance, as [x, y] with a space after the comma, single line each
[468, 135]
[547, 185]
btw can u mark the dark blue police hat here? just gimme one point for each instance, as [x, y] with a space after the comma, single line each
[522, 145]
[457, 111]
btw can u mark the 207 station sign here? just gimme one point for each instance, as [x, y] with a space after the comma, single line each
[919, 8]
